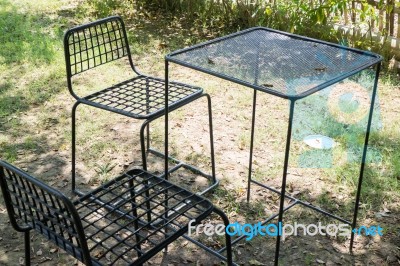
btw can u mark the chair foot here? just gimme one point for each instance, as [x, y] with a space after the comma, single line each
[214, 182]
[27, 241]
[227, 237]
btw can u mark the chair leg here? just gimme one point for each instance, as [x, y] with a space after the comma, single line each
[227, 237]
[148, 137]
[144, 142]
[27, 240]
[135, 214]
[144, 149]
[73, 148]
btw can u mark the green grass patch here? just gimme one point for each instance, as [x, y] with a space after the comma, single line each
[11, 150]
[23, 38]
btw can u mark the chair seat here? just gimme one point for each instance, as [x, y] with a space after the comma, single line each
[136, 215]
[142, 97]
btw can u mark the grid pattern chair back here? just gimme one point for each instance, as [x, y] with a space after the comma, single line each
[32, 204]
[95, 44]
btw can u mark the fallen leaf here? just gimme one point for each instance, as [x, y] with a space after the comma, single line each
[381, 214]
[21, 261]
[330, 263]
[320, 261]
[391, 259]
[53, 250]
[39, 252]
[108, 256]
[256, 263]
[370, 242]
[295, 193]
[44, 259]
[162, 45]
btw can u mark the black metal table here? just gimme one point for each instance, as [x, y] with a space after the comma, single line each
[270, 61]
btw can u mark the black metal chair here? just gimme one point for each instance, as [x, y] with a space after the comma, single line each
[141, 97]
[108, 225]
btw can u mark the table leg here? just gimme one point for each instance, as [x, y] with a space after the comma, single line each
[364, 155]
[166, 166]
[211, 131]
[253, 122]
[166, 122]
[285, 167]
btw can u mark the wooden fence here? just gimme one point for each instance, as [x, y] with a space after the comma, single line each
[386, 11]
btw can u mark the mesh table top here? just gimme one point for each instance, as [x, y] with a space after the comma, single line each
[279, 63]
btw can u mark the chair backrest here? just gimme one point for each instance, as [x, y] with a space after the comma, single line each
[31, 204]
[94, 44]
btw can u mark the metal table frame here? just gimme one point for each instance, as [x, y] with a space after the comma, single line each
[374, 62]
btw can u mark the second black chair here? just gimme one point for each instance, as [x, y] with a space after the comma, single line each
[140, 97]
[106, 226]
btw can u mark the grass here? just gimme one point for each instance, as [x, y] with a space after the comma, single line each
[35, 111]
[31, 73]
[103, 172]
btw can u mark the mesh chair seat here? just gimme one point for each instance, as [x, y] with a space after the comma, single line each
[142, 97]
[114, 216]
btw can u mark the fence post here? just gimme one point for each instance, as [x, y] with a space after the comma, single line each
[353, 12]
[387, 18]
[391, 14]
[346, 14]
[381, 18]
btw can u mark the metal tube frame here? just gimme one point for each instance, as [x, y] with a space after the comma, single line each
[375, 62]
[253, 122]
[27, 241]
[364, 155]
[285, 167]
[136, 182]
[282, 193]
[145, 149]
[167, 171]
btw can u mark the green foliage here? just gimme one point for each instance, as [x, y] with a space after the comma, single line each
[296, 15]
[306, 17]
[105, 8]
